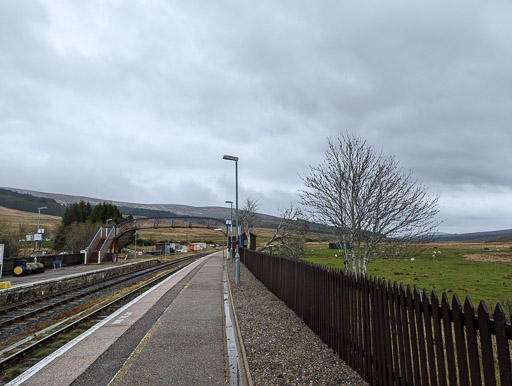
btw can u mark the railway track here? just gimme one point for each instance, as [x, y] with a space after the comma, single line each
[22, 351]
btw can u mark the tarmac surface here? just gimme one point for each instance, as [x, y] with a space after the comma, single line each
[172, 334]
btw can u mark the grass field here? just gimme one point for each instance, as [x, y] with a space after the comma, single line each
[11, 221]
[481, 270]
[199, 234]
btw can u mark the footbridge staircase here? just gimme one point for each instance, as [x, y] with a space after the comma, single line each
[107, 237]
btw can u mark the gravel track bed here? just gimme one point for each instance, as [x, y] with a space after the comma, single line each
[281, 349]
[12, 330]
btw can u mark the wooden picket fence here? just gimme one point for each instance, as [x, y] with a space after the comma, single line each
[388, 333]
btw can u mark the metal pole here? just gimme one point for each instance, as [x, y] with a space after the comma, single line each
[230, 231]
[37, 231]
[135, 245]
[237, 255]
[231, 223]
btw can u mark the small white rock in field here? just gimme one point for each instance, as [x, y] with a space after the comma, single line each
[335, 255]
[412, 259]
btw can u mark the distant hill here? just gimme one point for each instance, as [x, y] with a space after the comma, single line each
[151, 210]
[37, 199]
[500, 236]
[29, 203]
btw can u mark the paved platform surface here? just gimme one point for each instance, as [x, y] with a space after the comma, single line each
[186, 345]
[171, 335]
[53, 274]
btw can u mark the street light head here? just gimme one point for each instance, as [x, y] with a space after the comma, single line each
[230, 158]
[43, 207]
[229, 202]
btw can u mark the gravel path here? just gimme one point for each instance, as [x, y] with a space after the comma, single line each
[281, 349]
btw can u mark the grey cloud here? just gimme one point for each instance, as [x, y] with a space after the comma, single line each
[141, 100]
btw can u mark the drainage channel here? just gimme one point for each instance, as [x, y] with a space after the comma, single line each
[234, 369]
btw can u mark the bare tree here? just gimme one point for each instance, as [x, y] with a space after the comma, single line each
[247, 216]
[289, 235]
[375, 209]
[78, 235]
[11, 243]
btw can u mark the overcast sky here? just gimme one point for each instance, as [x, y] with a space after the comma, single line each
[139, 100]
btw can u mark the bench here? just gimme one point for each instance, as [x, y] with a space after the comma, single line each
[58, 263]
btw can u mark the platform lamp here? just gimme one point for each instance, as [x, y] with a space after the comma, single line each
[230, 257]
[106, 226]
[37, 233]
[237, 255]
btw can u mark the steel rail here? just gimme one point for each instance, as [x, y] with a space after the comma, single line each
[81, 291]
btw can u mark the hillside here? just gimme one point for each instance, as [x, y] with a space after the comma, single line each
[223, 213]
[152, 210]
[27, 202]
[17, 222]
[501, 235]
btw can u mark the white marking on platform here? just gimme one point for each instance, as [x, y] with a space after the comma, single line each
[122, 318]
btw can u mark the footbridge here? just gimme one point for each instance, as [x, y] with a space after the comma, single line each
[106, 237]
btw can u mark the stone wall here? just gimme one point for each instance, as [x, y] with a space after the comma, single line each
[44, 288]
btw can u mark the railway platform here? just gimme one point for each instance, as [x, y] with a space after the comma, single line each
[171, 334]
[63, 272]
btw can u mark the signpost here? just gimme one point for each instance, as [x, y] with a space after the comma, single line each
[1, 259]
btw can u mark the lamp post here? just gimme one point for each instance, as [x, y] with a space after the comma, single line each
[106, 226]
[230, 230]
[135, 256]
[237, 256]
[37, 232]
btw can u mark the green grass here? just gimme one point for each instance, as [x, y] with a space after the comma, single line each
[449, 272]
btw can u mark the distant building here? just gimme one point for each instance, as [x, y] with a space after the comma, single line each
[198, 246]
[164, 248]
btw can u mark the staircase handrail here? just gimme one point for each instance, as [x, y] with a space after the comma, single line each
[94, 238]
[93, 242]
[108, 236]
[107, 242]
